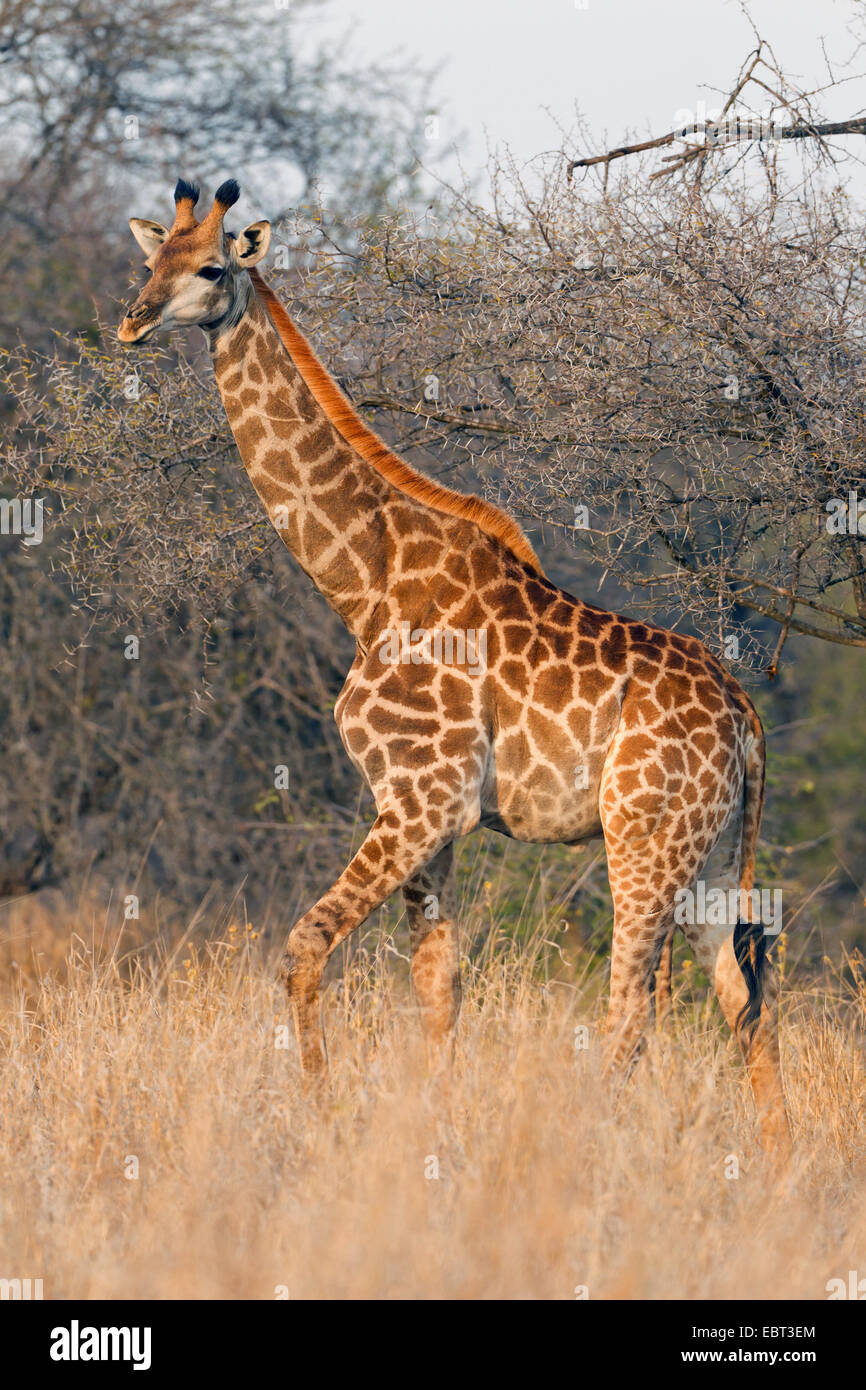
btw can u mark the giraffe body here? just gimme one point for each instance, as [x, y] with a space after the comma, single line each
[565, 722]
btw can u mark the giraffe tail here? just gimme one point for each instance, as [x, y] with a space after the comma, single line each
[750, 942]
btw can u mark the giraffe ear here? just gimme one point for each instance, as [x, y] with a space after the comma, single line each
[250, 245]
[149, 235]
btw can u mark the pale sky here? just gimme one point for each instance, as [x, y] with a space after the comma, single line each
[630, 65]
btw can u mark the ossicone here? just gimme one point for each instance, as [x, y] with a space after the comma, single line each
[184, 189]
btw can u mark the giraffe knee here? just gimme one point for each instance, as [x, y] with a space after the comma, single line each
[304, 960]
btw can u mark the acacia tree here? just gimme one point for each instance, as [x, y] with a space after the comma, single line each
[103, 99]
[168, 759]
[670, 370]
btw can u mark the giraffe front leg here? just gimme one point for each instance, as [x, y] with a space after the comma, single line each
[301, 973]
[431, 903]
[389, 856]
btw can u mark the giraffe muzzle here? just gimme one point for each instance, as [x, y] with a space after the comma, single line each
[138, 323]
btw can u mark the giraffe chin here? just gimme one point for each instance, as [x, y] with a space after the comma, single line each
[129, 335]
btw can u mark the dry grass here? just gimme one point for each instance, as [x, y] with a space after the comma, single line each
[544, 1184]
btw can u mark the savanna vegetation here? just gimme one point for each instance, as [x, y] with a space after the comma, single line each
[662, 377]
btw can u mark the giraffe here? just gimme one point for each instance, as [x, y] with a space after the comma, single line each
[565, 722]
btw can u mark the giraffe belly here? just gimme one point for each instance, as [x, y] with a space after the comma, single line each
[542, 829]
[545, 773]
[546, 804]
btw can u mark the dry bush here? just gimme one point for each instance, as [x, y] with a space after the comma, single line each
[101, 101]
[673, 382]
[168, 758]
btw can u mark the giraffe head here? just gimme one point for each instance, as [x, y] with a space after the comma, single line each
[196, 268]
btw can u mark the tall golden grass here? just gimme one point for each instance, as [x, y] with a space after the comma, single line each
[156, 1141]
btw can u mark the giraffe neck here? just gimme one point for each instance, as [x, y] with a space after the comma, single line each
[324, 499]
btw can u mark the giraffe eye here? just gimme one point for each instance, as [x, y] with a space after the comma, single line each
[211, 272]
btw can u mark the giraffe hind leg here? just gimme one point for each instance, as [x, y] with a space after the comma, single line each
[663, 975]
[639, 945]
[713, 945]
[430, 898]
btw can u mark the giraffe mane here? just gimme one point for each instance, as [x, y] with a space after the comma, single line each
[356, 432]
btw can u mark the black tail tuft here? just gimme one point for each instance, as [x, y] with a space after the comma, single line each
[750, 949]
